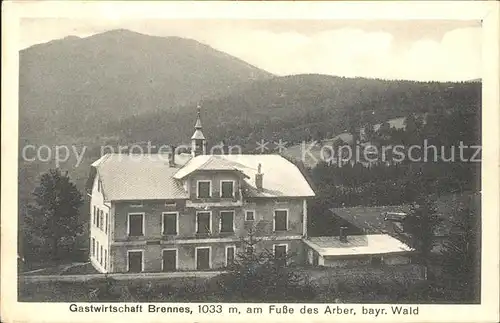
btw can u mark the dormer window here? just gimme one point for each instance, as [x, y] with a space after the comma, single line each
[227, 189]
[204, 189]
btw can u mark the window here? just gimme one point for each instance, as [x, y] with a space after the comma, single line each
[203, 222]
[93, 247]
[100, 259]
[136, 204]
[280, 220]
[170, 203]
[105, 258]
[227, 221]
[102, 220]
[136, 224]
[170, 223]
[94, 218]
[97, 218]
[202, 256]
[106, 227]
[169, 260]
[97, 250]
[249, 215]
[227, 189]
[135, 261]
[230, 255]
[204, 189]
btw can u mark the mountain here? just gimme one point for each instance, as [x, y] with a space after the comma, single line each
[73, 86]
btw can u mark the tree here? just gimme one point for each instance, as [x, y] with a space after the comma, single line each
[413, 128]
[461, 255]
[319, 136]
[337, 143]
[54, 217]
[419, 229]
[369, 132]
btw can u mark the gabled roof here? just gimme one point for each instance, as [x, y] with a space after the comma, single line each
[372, 244]
[207, 162]
[150, 177]
[281, 177]
[139, 177]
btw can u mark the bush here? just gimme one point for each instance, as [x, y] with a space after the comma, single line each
[105, 290]
[257, 277]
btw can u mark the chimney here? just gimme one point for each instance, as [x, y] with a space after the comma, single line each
[171, 157]
[259, 177]
[343, 235]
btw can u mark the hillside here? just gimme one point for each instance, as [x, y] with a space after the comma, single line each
[314, 154]
[71, 87]
[297, 108]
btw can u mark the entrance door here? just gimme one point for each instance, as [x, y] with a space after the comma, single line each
[169, 260]
[135, 261]
[202, 258]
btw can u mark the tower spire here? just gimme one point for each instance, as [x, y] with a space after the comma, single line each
[198, 139]
[198, 118]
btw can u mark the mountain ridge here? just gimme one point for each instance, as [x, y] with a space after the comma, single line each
[68, 82]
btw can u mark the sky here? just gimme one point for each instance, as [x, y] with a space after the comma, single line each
[422, 50]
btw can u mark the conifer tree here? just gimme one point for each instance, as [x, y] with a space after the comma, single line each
[461, 256]
[54, 216]
[419, 229]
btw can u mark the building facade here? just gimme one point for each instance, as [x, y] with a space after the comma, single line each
[190, 212]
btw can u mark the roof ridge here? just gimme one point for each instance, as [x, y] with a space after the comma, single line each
[206, 162]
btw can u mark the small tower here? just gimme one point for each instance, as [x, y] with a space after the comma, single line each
[198, 144]
[259, 177]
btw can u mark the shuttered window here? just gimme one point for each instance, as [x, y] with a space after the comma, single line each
[227, 189]
[170, 223]
[204, 189]
[203, 222]
[135, 224]
[227, 221]
[280, 220]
